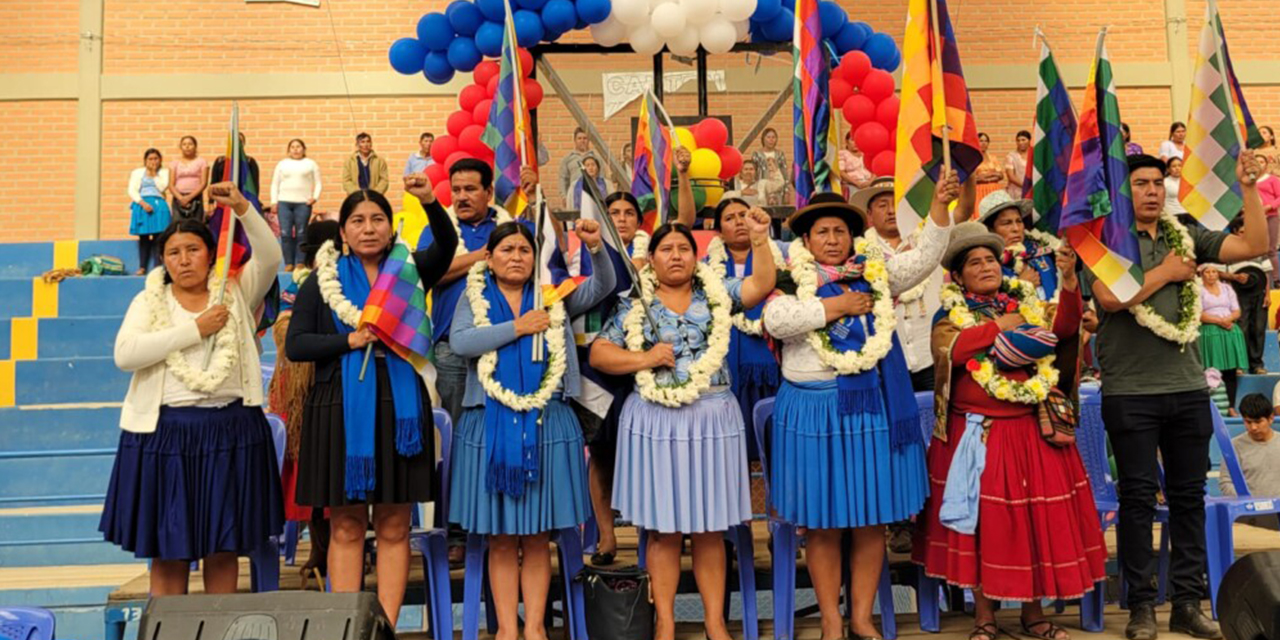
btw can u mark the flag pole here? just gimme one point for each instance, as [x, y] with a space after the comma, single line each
[1220, 39]
[540, 212]
[230, 235]
[940, 85]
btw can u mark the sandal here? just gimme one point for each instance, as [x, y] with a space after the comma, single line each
[1049, 632]
[602, 558]
[985, 631]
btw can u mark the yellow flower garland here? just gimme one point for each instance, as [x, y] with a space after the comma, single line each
[1036, 388]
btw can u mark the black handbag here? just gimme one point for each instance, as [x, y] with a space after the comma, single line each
[618, 603]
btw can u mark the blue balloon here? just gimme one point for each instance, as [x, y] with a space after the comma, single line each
[851, 37]
[781, 28]
[532, 5]
[883, 51]
[594, 11]
[580, 23]
[832, 17]
[529, 28]
[435, 32]
[757, 31]
[493, 10]
[558, 16]
[406, 55]
[489, 39]
[766, 10]
[463, 54]
[464, 17]
[436, 67]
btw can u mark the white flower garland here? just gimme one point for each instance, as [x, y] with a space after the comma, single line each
[1036, 388]
[1043, 239]
[703, 368]
[912, 294]
[331, 287]
[640, 246]
[1187, 329]
[716, 257]
[502, 216]
[489, 361]
[225, 345]
[877, 346]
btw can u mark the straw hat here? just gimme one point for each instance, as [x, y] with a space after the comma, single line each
[998, 201]
[968, 235]
[861, 199]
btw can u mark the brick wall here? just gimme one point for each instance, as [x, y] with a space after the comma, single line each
[39, 36]
[36, 194]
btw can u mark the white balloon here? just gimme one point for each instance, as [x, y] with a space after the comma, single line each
[609, 33]
[644, 41]
[699, 12]
[684, 44]
[743, 27]
[668, 20]
[653, 4]
[718, 36]
[632, 13]
[737, 10]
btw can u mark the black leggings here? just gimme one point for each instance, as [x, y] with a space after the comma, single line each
[147, 250]
[1232, 380]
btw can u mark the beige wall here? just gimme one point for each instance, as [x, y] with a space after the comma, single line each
[171, 69]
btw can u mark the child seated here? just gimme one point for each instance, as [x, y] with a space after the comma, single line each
[1258, 451]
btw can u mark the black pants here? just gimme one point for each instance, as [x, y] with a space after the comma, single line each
[1178, 426]
[923, 379]
[1253, 322]
[147, 251]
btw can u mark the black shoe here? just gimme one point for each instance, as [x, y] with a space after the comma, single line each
[1188, 618]
[1142, 623]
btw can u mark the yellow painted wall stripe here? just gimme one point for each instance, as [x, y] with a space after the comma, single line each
[6, 383]
[24, 335]
[44, 298]
[66, 254]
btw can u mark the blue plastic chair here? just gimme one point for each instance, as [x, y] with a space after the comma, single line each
[433, 543]
[264, 562]
[1091, 443]
[786, 542]
[1222, 512]
[26, 623]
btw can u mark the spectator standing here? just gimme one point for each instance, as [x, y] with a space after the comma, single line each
[1131, 148]
[1251, 280]
[747, 185]
[295, 187]
[1172, 183]
[421, 159]
[593, 173]
[1258, 451]
[1221, 341]
[854, 173]
[190, 176]
[149, 214]
[1172, 148]
[989, 176]
[364, 170]
[1269, 189]
[569, 169]
[772, 167]
[1015, 165]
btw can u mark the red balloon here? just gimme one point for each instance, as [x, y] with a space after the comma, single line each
[854, 66]
[458, 120]
[878, 85]
[436, 173]
[730, 162]
[444, 193]
[492, 88]
[711, 134]
[532, 93]
[840, 90]
[481, 112]
[526, 62]
[443, 147]
[484, 71]
[871, 138]
[882, 165]
[858, 110]
[470, 143]
[469, 96]
[887, 112]
[454, 157]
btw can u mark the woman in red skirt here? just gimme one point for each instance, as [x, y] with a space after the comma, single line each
[1010, 514]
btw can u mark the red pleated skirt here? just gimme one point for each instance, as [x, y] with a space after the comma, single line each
[1038, 532]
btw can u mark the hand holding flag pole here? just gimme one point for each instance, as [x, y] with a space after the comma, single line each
[233, 158]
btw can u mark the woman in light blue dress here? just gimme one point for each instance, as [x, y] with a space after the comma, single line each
[149, 213]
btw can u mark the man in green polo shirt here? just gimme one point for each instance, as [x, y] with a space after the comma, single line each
[1154, 395]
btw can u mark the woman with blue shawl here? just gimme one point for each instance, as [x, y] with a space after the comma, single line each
[1011, 515]
[519, 472]
[366, 439]
[847, 451]
[1028, 254]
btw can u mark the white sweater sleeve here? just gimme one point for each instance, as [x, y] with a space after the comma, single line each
[276, 177]
[135, 185]
[911, 267]
[787, 317]
[138, 348]
[315, 179]
[260, 272]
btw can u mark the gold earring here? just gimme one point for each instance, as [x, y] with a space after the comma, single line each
[346, 250]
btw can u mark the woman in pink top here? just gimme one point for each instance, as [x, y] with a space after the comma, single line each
[853, 167]
[1221, 340]
[1269, 189]
[190, 178]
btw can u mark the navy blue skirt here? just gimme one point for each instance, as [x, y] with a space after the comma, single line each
[205, 482]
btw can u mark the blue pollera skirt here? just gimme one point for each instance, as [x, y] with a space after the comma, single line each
[832, 471]
[682, 469]
[557, 500]
[205, 481]
[142, 223]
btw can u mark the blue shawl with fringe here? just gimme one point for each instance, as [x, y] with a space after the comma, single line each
[512, 436]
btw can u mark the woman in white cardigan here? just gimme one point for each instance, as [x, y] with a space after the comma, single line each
[195, 474]
[149, 213]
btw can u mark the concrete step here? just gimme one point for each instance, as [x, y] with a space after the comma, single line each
[87, 337]
[105, 296]
[15, 297]
[56, 381]
[55, 537]
[26, 259]
[42, 478]
[59, 428]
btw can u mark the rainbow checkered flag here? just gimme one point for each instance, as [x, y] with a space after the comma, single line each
[1219, 126]
[653, 159]
[396, 310]
[507, 131]
[1051, 144]
[814, 169]
[233, 243]
[1097, 214]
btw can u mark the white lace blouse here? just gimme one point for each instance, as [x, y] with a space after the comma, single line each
[789, 319]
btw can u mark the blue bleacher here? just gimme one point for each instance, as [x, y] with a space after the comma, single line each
[15, 297]
[27, 260]
[69, 380]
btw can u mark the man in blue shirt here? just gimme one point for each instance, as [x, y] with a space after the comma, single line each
[421, 159]
[471, 182]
